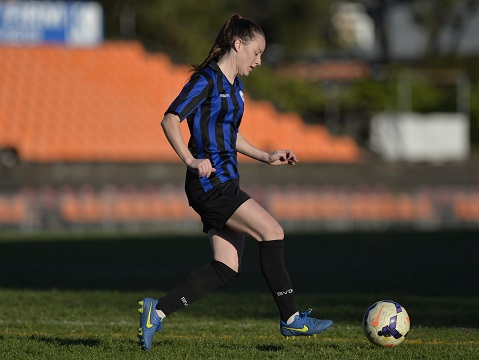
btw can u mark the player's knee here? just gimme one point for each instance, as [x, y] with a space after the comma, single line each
[279, 233]
[275, 232]
[224, 272]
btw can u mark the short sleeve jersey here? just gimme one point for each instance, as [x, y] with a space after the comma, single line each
[213, 108]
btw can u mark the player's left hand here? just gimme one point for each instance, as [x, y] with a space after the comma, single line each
[282, 157]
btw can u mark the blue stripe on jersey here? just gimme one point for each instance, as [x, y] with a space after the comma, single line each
[213, 108]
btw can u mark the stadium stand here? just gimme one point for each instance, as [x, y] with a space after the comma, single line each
[361, 204]
[104, 104]
[129, 203]
[324, 206]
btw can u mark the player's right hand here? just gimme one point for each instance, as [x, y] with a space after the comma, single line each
[202, 167]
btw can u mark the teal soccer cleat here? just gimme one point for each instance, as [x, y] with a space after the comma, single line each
[303, 325]
[150, 322]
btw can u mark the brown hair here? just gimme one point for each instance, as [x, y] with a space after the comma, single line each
[236, 27]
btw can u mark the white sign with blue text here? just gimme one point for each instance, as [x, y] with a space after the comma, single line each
[51, 22]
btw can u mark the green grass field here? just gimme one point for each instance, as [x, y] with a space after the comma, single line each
[64, 297]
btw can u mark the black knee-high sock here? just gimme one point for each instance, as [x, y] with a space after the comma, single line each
[275, 273]
[197, 284]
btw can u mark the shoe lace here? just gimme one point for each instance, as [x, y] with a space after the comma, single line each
[305, 313]
[308, 320]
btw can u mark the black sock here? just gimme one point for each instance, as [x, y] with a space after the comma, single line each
[274, 271]
[199, 283]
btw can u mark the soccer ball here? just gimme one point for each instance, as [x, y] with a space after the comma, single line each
[386, 323]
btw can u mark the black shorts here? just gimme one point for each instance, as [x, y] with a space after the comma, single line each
[217, 205]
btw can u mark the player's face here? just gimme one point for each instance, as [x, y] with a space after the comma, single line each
[249, 54]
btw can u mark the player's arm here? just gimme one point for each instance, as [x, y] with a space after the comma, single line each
[277, 157]
[171, 128]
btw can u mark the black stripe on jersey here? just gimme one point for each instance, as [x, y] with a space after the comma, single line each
[205, 93]
[237, 107]
[205, 138]
[194, 101]
[220, 138]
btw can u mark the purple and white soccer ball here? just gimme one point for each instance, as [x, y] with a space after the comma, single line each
[386, 323]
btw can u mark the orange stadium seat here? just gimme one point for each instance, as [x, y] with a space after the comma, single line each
[330, 206]
[105, 103]
[13, 210]
[70, 209]
[466, 206]
[277, 203]
[405, 207]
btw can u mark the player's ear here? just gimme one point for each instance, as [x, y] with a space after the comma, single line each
[237, 44]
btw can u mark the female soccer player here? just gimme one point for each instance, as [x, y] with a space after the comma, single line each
[212, 102]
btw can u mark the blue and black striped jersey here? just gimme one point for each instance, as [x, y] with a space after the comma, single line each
[213, 108]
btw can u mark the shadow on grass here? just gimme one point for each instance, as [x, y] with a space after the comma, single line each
[66, 342]
[270, 348]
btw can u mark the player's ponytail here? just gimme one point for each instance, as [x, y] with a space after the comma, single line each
[236, 27]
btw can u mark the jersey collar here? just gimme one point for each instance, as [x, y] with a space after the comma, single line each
[216, 68]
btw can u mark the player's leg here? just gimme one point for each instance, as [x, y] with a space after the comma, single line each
[227, 247]
[228, 250]
[252, 219]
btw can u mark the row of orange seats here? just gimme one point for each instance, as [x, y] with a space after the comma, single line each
[357, 207]
[105, 104]
[126, 208]
[164, 204]
[269, 129]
